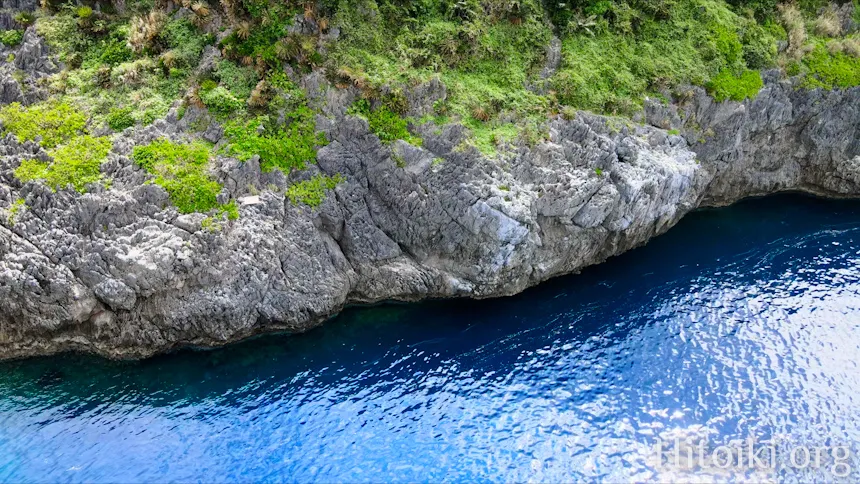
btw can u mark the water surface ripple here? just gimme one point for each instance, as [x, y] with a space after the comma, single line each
[740, 322]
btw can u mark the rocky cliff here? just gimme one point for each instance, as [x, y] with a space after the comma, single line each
[119, 272]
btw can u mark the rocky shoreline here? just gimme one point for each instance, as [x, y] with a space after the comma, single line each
[120, 273]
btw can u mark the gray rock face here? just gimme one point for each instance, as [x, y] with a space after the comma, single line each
[29, 63]
[120, 273]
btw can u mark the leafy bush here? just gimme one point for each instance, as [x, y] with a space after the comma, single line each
[312, 192]
[113, 51]
[55, 123]
[77, 163]
[17, 207]
[284, 147]
[384, 123]
[84, 12]
[238, 80]
[759, 47]
[185, 41]
[11, 38]
[831, 70]
[120, 118]
[220, 100]
[727, 42]
[181, 169]
[25, 18]
[727, 85]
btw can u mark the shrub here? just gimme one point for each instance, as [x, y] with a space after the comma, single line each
[727, 43]
[312, 192]
[17, 207]
[759, 47]
[384, 123]
[831, 70]
[25, 19]
[113, 51]
[181, 169]
[84, 12]
[77, 163]
[220, 100]
[238, 80]
[120, 118]
[284, 147]
[11, 38]
[727, 85]
[55, 123]
[185, 42]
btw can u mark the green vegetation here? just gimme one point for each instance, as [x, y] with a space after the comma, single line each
[312, 192]
[823, 56]
[181, 169]
[220, 100]
[284, 136]
[61, 129]
[486, 53]
[54, 123]
[11, 38]
[285, 147]
[727, 85]
[25, 19]
[144, 61]
[76, 163]
[240, 81]
[14, 210]
[120, 118]
[389, 126]
[128, 69]
[490, 55]
[663, 45]
[830, 70]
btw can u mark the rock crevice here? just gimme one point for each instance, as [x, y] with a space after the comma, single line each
[120, 273]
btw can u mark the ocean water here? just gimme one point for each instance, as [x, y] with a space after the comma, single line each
[740, 323]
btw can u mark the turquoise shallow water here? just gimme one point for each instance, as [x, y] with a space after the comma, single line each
[740, 322]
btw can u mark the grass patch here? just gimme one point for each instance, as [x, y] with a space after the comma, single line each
[312, 192]
[181, 169]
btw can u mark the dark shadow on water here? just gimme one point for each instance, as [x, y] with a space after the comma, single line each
[462, 332]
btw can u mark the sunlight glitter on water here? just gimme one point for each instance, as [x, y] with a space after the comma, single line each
[740, 323]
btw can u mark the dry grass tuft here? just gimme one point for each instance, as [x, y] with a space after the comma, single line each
[828, 24]
[792, 20]
[144, 30]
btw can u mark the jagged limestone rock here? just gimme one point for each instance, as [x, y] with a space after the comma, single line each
[119, 272]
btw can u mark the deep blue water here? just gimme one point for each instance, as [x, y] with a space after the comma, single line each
[740, 322]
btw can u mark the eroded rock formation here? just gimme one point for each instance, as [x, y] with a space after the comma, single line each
[119, 272]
